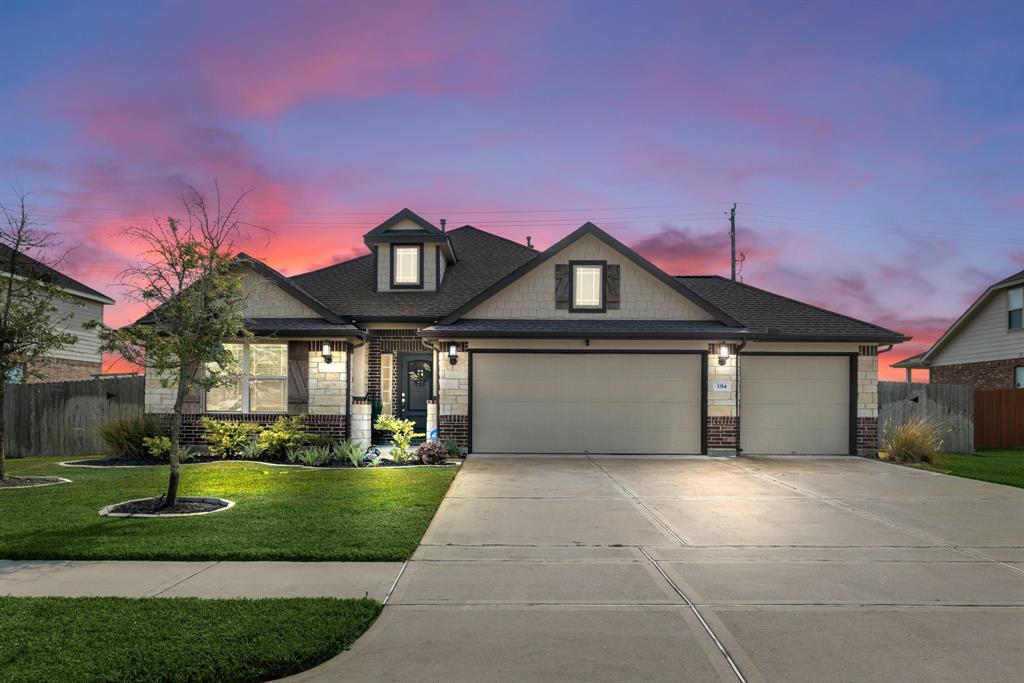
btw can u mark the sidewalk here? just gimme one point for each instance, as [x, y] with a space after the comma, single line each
[198, 579]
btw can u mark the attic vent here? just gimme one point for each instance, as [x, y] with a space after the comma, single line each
[529, 242]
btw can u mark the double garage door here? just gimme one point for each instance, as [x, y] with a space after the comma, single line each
[652, 403]
[586, 403]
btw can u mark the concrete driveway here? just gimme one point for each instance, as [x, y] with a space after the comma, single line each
[755, 569]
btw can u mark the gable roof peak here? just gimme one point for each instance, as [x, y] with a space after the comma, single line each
[405, 214]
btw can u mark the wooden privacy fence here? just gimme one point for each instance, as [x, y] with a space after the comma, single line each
[951, 406]
[64, 418]
[999, 418]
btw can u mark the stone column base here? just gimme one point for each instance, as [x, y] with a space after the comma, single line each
[361, 431]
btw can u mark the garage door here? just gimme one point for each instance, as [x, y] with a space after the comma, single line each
[586, 403]
[795, 404]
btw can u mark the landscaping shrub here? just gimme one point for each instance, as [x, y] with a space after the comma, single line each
[252, 450]
[159, 448]
[125, 437]
[917, 440]
[228, 438]
[451, 447]
[311, 456]
[285, 436]
[431, 453]
[351, 451]
[401, 435]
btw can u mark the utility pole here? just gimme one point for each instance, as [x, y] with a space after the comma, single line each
[732, 239]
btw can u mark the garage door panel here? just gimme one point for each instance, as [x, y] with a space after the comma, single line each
[795, 404]
[586, 403]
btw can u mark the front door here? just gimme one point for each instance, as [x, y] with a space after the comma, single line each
[416, 387]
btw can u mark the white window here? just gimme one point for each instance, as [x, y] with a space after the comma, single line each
[406, 264]
[258, 380]
[1020, 376]
[587, 286]
[1015, 308]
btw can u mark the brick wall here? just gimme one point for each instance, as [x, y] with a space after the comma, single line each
[867, 437]
[393, 342]
[454, 427]
[722, 432]
[192, 433]
[993, 374]
[63, 370]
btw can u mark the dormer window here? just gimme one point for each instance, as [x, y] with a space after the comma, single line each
[587, 281]
[407, 266]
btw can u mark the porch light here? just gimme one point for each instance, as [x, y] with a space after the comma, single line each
[325, 351]
[723, 354]
[453, 353]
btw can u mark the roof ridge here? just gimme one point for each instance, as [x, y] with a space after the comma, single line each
[804, 303]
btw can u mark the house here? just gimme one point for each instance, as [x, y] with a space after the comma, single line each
[80, 360]
[586, 347]
[985, 346]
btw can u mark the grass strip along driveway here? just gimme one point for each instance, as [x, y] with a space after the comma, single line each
[174, 639]
[999, 466]
[281, 513]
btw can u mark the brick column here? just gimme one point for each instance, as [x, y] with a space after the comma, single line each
[867, 402]
[723, 423]
[453, 398]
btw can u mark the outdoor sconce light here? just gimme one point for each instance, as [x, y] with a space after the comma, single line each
[723, 354]
[453, 353]
[325, 351]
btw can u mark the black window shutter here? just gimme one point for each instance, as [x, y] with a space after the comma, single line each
[611, 286]
[561, 285]
[298, 377]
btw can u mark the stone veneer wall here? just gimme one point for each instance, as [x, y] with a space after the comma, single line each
[453, 398]
[723, 424]
[361, 428]
[63, 370]
[867, 401]
[993, 374]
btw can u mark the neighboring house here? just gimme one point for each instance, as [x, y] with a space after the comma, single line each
[586, 347]
[985, 346]
[82, 359]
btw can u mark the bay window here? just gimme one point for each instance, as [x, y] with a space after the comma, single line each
[1015, 308]
[257, 380]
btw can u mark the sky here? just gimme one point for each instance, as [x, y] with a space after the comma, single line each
[875, 151]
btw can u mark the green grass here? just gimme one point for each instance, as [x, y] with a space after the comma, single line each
[281, 513]
[1000, 466]
[174, 639]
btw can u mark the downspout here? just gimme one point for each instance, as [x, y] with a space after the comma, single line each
[743, 342]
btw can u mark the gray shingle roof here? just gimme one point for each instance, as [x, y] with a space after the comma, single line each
[776, 316]
[347, 288]
[30, 267]
[262, 327]
[607, 329]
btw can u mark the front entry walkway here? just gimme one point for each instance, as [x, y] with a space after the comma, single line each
[756, 569]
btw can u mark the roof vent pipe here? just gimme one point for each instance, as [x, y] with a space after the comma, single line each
[443, 222]
[529, 242]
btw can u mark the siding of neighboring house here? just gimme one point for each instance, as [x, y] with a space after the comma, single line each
[643, 297]
[77, 312]
[984, 337]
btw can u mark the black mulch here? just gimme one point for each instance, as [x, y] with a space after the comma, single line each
[153, 506]
[25, 482]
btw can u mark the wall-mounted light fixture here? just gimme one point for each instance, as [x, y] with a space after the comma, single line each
[453, 353]
[723, 354]
[325, 351]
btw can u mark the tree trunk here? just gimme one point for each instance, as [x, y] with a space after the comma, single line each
[184, 386]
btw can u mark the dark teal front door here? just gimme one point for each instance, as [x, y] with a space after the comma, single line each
[416, 387]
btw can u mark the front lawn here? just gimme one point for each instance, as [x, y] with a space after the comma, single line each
[1000, 466]
[174, 639]
[281, 513]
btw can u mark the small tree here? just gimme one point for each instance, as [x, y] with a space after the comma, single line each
[30, 325]
[195, 299]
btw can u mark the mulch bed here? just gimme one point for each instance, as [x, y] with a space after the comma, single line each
[151, 506]
[27, 482]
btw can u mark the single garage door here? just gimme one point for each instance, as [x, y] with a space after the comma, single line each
[586, 403]
[795, 404]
